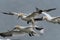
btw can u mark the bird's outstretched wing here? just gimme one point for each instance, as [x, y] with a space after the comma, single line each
[33, 14]
[6, 34]
[48, 10]
[16, 29]
[10, 13]
[58, 17]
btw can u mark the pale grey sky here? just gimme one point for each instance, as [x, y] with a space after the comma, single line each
[28, 6]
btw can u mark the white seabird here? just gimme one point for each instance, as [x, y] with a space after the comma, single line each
[28, 30]
[22, 30]
[49, 18]
[30, 17]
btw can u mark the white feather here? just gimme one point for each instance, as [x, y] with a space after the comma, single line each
[46, 14]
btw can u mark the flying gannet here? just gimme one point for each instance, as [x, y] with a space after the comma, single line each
[29, 30]
[31, 16]
[22, 30]
[49, 18]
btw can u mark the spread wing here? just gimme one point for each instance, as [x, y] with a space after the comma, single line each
[33, 14]
[58, 18]
[48, 10]
[16, 30]
[10, 13]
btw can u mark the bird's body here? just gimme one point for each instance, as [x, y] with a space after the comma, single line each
[28, 29]
[49, 18]
[21, 30]
[31, 16]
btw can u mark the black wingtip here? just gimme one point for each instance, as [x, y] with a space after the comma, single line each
[50, 9]
[4, 12]
[53, 8]
[38, 19]
[9, 13]
[39, 28]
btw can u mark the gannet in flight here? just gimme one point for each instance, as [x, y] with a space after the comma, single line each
[30, 17]
[49, 18]
[21, 30]
[29, 30]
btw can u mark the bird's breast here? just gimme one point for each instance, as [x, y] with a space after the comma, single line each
[25, 18]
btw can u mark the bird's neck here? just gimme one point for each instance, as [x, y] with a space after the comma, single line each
[23, 16]
[47, 15]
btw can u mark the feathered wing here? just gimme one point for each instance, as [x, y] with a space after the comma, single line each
[35, 19]
[16, 30]
[33, 14]
[56, 18]
[6, 34]
[10, 13]
[38, 19]
[47, 15]
[48, 10]
[37, 28]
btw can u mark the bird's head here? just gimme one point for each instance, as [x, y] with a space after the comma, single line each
[17, 27]
[20, 15]
[38, 10]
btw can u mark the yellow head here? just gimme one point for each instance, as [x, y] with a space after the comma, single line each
[20, 15]
[17, 26]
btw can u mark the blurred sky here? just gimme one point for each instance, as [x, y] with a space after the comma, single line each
[28, 6]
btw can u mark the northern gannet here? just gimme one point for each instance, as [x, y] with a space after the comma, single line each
[49, 18]
[29, 30]
[30, 17]
[21, 30]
